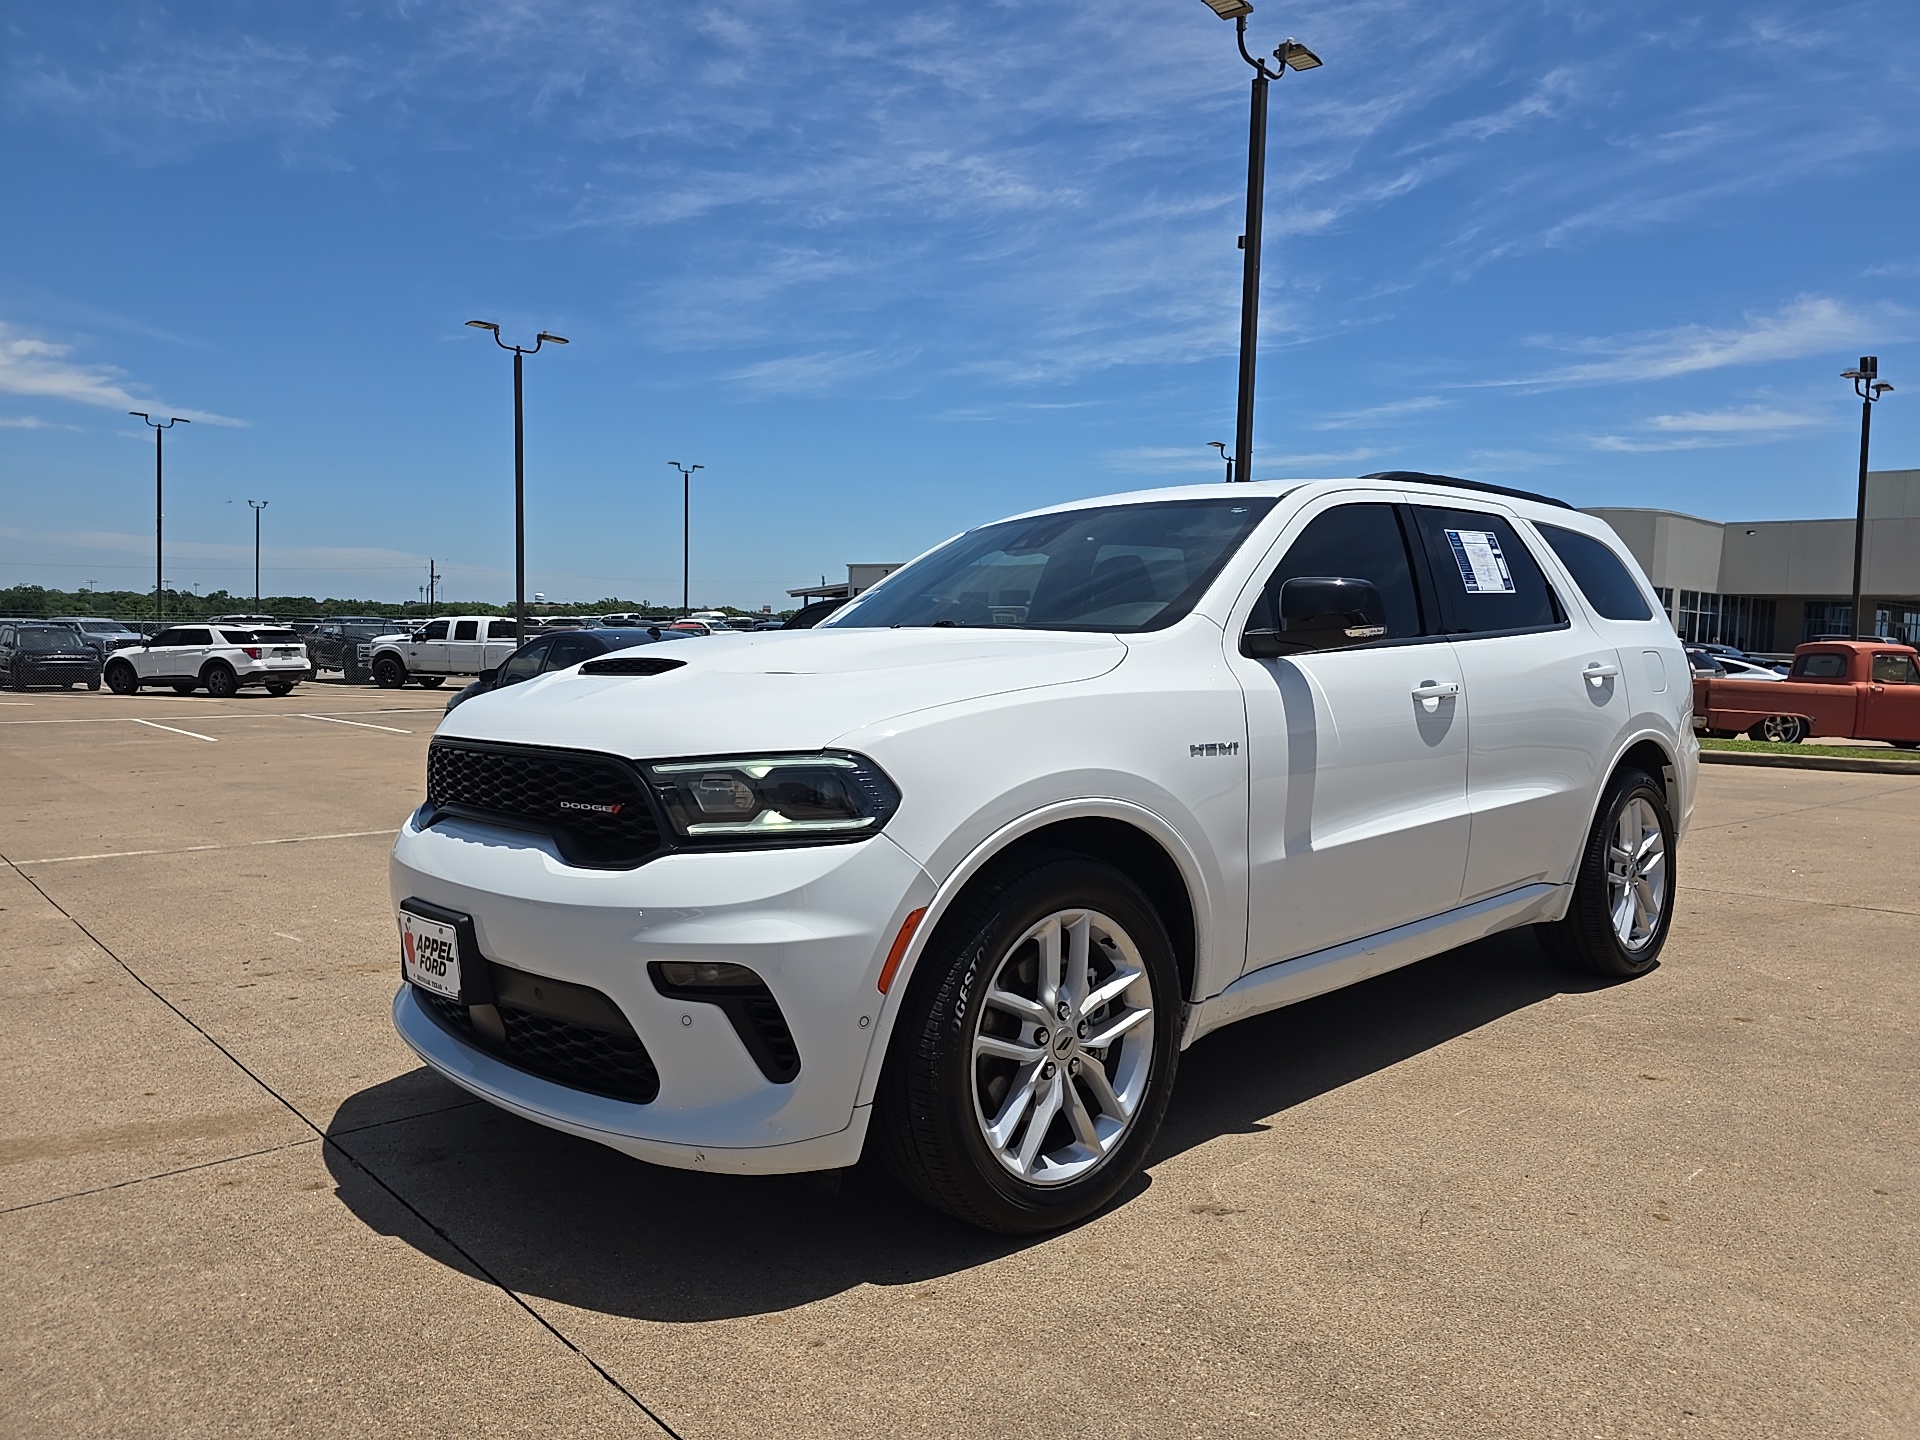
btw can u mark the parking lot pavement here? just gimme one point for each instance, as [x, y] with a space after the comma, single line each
[1475, 1197]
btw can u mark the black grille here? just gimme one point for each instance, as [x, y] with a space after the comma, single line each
[616, 1066]
[29, 669]
[631, 665]
[594, 806]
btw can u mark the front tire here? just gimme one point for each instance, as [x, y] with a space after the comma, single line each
[431, 682]
[389, 673]
[1035, 1050]
[1781, 730]
[185, 687]
[279, 687]
[1623, 888]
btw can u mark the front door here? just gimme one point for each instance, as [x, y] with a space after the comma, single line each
[1356, 758]
[175, 654]
[1892, 707]
[1549, 700]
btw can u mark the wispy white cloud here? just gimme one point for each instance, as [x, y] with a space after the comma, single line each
[1711, 429]
[813, 374]
[1380, 414]
[32, 366]
[1809, 325]
[32, 422]
[1165, 460]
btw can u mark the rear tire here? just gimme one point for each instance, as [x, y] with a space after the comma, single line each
[389, 673]
[431, 682]
[1906, 744]
[990, 1026]
[222, 683]
[279, 687]
[94, 683]
[1623, 888]
[185, 687]
[1780, 729]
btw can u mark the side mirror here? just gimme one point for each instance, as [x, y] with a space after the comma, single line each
[1320, 612]
[487, 676]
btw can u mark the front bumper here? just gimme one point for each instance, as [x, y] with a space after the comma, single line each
[814, 924]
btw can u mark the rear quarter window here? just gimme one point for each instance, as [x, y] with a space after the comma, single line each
[1607, 583]
[1489, 581]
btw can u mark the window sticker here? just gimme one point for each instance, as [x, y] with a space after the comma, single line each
[1483, 569]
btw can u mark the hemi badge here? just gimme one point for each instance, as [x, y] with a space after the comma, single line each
[1229, 747]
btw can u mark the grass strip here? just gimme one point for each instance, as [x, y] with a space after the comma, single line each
[1845, 752]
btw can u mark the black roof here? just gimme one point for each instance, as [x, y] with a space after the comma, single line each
[1421, 477]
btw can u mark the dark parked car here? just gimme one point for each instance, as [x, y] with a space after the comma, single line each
[559, 650]
[342, 644]
[39, 653]
[808, 616]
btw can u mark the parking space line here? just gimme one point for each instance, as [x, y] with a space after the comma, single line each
[190, 734]
[190, 849]
[335, 720]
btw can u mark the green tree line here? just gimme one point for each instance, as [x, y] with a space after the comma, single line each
[184, 605]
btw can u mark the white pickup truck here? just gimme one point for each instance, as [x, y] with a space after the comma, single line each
[457, 645]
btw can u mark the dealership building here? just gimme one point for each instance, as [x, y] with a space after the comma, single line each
[1769, 585]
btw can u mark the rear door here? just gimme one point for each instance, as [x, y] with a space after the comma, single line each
[175, 654]
[1546, 697]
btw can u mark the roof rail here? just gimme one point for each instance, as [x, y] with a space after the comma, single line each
[1420, 477]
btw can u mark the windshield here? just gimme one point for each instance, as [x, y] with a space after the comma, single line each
[1115, 568]
[47, 640]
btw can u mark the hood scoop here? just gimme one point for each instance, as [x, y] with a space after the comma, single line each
[631, 665]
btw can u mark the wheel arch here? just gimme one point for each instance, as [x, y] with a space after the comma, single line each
[1137, 842]
[216, 663]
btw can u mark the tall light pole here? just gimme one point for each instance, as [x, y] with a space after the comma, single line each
[520, 352]
[1868, 385]
[256, 506]
[686, 530]
[1290, 56]
[159, 497]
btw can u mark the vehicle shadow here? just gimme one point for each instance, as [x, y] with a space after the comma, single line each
[572, 1221]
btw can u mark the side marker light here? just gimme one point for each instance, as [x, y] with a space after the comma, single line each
[899, 950]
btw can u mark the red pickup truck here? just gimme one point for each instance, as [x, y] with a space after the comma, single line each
[1862, 689]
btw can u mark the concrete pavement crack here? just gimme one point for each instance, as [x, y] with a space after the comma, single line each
[157, 1175]
[325, 1139]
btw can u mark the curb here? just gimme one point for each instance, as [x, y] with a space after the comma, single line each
[1809, 762]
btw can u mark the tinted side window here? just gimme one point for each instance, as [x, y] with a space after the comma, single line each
[570, 650]
[1358, 542]
[1488, 579]
[524, 663]
[466, 629]
[436, 631]
[500, 629]
[1895, 669]
[1607, 584]
[1820, 667]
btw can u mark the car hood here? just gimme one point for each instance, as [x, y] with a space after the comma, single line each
[781, 690]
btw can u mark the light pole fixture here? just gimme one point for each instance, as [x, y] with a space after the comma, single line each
[1221, 446]
[520, 352]
[256, 506]
[686, 530]
[159, 496]
[1868, 385]
[1291, 55]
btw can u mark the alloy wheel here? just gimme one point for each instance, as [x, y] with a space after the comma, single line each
[1637, 875]
[1062, 1048]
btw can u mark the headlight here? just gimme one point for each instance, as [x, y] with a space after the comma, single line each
[774, 799]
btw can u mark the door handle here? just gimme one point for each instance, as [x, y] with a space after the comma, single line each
[1596, 672]
[1435, 689]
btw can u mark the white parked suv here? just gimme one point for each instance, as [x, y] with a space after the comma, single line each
[223, 658]
[963, 870]
[457, 645]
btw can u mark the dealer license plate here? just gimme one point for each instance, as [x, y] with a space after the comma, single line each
[430, 954]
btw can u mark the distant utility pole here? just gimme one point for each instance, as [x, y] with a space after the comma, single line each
[433, 582]
[257, 506]
[686, 529]
[159, 488]
[1868, 385]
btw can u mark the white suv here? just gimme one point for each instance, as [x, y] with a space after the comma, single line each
[220, 657]
[967, 867]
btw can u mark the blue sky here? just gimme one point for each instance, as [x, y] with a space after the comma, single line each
[890, 271]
